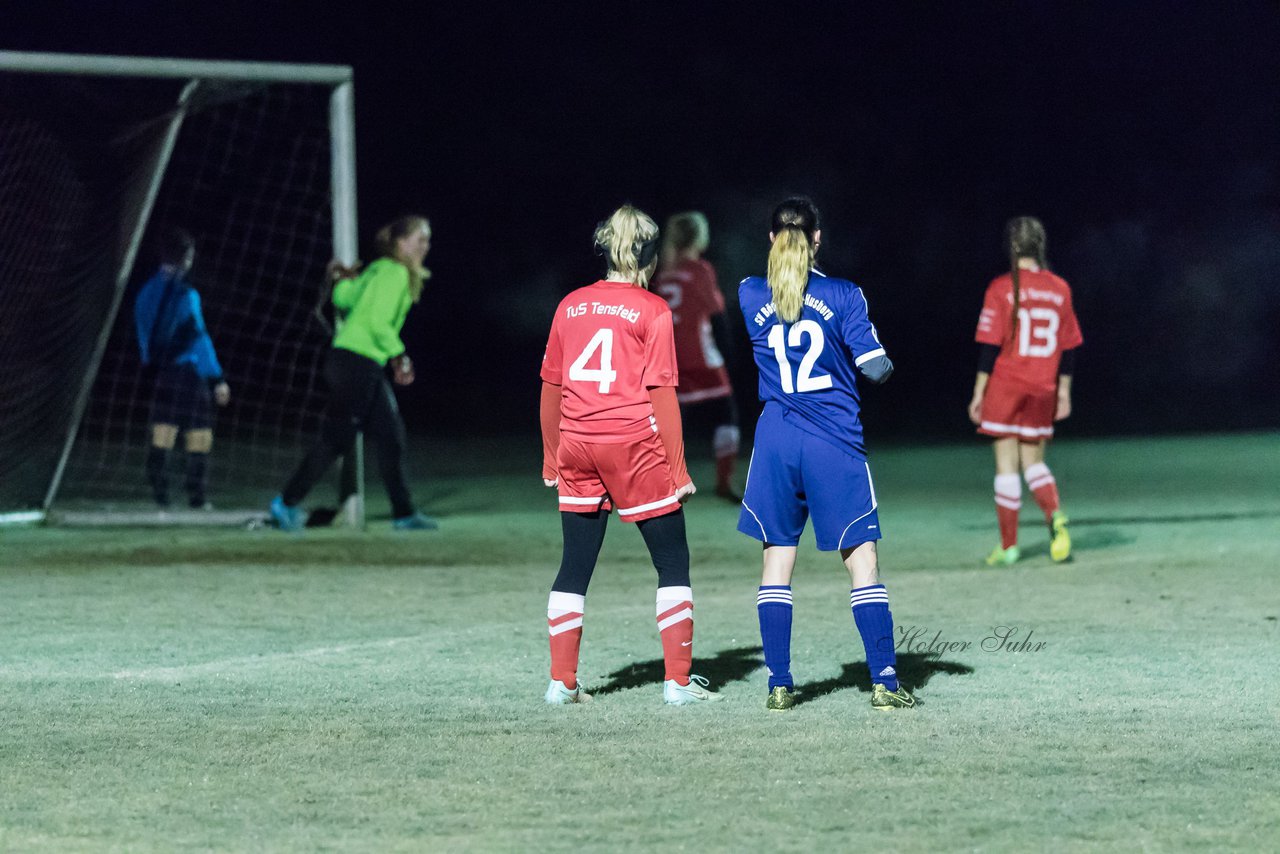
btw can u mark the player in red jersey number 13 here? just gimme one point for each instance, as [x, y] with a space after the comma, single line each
[612, 440]
[1027, 336]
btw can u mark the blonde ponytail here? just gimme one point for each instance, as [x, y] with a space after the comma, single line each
[794, 228]
[788, 276]
[629, 239]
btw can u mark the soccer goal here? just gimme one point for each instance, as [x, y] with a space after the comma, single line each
[98, 156]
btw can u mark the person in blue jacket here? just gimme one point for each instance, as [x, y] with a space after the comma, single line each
[173, 340]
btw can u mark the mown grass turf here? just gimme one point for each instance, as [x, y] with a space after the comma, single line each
[247, 690]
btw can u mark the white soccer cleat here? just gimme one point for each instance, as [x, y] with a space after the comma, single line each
[675, 694]
[558, 695]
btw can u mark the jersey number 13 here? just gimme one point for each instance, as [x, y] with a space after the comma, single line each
[1037, 332]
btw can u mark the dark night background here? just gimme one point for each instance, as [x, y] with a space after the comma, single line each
[1144, 135]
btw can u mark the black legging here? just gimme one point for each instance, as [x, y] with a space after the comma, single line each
[360, 398]
[584, 535]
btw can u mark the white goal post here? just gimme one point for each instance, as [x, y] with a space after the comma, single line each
[40, 430]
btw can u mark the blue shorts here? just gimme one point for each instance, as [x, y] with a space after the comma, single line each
[793, 475]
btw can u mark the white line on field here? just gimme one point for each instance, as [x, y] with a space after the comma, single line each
[271, 658]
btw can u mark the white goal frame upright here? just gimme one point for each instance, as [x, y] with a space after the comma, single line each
[342, 184]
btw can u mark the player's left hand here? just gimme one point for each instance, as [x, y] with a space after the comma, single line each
[683, 493]
[975, 410]
[1064, 408]
[222, 394]
[551, 483]
[402, 370]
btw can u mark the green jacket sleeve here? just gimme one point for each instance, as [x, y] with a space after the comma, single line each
[345, 294]
[383, 307]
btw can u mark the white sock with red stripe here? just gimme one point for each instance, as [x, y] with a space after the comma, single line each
[1008, 503]
[564, 620]
[1043, 487]
[675, 623]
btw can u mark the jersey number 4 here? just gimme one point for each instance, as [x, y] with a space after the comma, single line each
[604, 375]
[805, 381]
[1037, 332]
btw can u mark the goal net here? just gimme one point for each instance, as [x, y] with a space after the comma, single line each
[99, 156]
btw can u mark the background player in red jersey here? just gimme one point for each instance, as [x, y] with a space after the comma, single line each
[687, 281]
[611, 439]
[1027, 334]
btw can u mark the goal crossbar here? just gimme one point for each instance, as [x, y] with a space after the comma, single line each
[145, 66]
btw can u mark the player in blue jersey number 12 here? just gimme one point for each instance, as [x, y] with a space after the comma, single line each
[811, 336]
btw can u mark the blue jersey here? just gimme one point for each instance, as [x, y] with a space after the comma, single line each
[171, 329]
[808, 369]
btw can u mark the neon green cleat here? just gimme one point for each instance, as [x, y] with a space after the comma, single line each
[1004, 557]
[558, 695]
[883, 698]
[781, 698]
[1060, 545]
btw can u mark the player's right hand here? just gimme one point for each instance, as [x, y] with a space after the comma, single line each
[222, 394]
[551, 483]
[402, 370]
[336, 270]
[683, 493]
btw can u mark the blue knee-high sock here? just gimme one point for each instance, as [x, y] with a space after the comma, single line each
[871, 615]
[773, 603]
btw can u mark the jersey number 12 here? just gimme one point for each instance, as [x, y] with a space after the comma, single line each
[805, 381]
[605, 374]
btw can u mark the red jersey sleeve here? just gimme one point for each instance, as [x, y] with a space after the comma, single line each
[994, 323]
[660, 351]
[1070, 336]
[552, 357]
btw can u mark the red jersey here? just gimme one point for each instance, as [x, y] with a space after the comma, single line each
[1046, 326]
[610, 343]
[690, 289]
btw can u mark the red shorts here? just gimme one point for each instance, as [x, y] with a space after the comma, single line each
[633, 477]
[1013, 409]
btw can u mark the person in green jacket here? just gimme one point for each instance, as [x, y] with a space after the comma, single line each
[373, 305]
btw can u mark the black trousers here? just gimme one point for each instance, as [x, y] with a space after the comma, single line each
[360, 399]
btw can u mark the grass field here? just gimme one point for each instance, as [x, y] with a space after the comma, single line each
[248, 690]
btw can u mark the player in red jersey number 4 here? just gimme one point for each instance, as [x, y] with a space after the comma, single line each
[1027, 334]
[611, 436]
